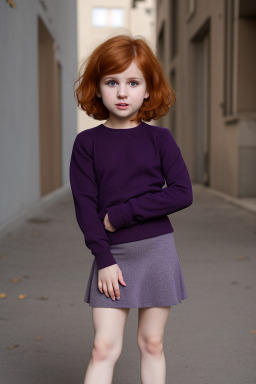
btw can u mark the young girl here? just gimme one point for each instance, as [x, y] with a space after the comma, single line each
[117, 173]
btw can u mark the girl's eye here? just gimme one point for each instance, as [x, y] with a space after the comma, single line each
[111, 81]
[134, 82]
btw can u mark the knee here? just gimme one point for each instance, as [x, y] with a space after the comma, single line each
[105, 348]
[151, 344]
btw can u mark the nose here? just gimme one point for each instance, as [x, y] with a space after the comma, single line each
[122, 91]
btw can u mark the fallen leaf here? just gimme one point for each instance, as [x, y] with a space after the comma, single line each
[43, 298]
[234, 282]
[253, 331]
[13, 346]
[3, 295]
[22, 296]
[25, 276]
[35, 234]
[243, 258]
[15, 280]
[37, 338]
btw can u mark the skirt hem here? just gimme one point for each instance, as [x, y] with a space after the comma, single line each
[136, 305]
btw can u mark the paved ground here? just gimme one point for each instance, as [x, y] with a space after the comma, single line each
[208, 337]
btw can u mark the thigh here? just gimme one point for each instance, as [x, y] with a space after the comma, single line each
[152, 321]
[109, 323]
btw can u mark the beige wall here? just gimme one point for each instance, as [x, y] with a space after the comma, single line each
[219, 148]
[137, 20]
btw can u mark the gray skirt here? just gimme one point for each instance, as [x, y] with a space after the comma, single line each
[151, 271]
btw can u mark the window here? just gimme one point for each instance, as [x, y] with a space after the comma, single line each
[116, 17]
[174, 28]
[107, 17]
[228, 58]
[99, 17]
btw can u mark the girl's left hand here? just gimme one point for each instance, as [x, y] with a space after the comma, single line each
[108, 225]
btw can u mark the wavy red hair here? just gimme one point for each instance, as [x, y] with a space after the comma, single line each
[114, 56]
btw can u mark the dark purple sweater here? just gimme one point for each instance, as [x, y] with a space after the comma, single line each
[123, 172]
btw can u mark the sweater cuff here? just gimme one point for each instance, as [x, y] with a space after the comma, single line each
[105, 260]
[120, 215]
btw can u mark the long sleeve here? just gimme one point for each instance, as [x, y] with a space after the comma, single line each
[85, 194]
[175, 196]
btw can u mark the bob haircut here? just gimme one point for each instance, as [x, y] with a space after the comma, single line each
[114, 56]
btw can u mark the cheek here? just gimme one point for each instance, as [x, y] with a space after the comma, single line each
[107, 93]
[140, 95]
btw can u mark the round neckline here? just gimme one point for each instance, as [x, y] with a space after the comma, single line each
[122, 130]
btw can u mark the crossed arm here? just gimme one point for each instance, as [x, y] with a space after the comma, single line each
[175, 196]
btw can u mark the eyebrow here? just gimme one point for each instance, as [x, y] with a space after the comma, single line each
[129, 78]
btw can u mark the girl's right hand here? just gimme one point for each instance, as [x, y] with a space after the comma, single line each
[108, 281]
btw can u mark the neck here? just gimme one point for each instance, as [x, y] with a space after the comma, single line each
[110, 123]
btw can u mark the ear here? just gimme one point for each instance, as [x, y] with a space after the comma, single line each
[98, 93]
[146, 95]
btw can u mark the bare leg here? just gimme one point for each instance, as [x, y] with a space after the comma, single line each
[108, 326]
[152, 321]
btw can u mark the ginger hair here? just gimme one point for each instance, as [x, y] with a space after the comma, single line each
[114, 56]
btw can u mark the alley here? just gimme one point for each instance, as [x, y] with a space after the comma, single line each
[47, 336]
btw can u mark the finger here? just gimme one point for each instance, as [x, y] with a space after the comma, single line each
[117, 290]
[105, 289]
[111, 291]
[100, 286]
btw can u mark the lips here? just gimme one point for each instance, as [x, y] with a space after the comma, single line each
[122, 106]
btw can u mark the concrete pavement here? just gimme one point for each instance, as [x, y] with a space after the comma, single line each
[209, 337]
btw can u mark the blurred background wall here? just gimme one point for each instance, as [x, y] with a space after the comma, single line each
[207, 48]
[38, 47]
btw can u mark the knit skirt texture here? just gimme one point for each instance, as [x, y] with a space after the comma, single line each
[151, 270]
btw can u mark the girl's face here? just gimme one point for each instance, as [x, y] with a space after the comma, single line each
[129, 88]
